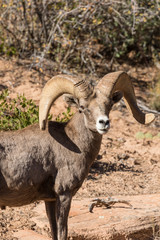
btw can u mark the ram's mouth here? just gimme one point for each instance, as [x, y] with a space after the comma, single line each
[103, 131]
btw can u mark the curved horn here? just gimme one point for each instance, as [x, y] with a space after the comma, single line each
[120, 81]
[57, 86]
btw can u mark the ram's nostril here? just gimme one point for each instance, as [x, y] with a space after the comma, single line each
[101, 121]
[107, 122]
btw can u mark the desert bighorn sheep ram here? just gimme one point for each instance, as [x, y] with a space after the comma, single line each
[50, 163]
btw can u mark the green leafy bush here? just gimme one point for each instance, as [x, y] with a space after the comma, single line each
[146, 136]
[16, 113]
[140, 135]
[8, 50]
[65, 116]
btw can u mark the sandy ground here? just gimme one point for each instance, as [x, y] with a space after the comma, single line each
[126, 164]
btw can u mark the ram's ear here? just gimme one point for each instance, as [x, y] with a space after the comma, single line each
[70, 100]
[116, 97]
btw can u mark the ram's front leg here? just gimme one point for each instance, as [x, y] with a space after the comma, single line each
[62, 212]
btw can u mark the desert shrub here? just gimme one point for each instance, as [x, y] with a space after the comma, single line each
[83, 34]
[146, 136]
[65, 116]
[16, 113]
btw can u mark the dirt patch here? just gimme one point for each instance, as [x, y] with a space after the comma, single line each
[126, 165]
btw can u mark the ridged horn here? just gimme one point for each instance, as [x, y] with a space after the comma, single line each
[57, 86]
[120, 81]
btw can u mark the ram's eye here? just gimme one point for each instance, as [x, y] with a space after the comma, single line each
[81, 108]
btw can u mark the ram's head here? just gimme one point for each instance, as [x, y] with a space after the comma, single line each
[94, 103]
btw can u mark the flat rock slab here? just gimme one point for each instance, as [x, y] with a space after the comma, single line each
[29, 235]
[142, 222]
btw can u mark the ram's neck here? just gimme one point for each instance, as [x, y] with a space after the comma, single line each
[87, 141]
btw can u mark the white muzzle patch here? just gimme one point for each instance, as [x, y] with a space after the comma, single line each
[102, 124]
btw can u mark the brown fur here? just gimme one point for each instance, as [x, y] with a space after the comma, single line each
[48, 165]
